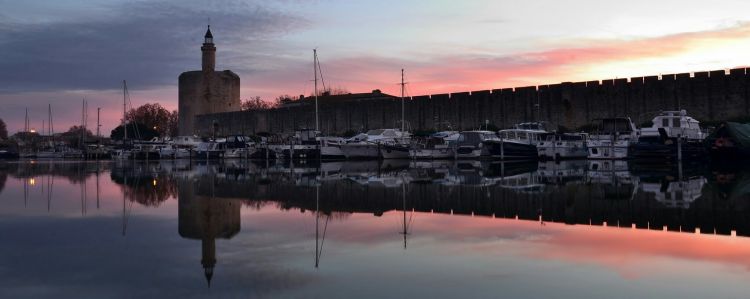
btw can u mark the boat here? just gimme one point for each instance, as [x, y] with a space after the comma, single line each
[121, 154]
[236, 146]
[517, 143]
[471, 144]
[209, 150]
[8, 154]
[612, 138]
[437, 146]
[145, 151]
[559, 146]
[367, 145]
[398, 148]
[300, 146]
[729, 142]
[673, 135]
[330, 147]
[395, 149]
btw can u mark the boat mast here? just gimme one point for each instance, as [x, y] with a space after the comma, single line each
[402, 100]
[124, 110]
[315, 71]
[98, 110]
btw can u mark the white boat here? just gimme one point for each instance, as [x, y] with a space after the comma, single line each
[438, 146]
[122, 154]
[517, 143]
[471, 144]
[557, 146]
[612, 138]
[330, 147]
[49, 154]
[367, 145]
[672, 134]
[172, 151]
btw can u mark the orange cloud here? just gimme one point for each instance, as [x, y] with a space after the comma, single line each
[584, 60]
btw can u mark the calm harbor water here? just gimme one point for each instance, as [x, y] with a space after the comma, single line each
[393, 229]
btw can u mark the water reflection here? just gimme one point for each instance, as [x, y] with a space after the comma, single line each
[206, 218]
[690, 200]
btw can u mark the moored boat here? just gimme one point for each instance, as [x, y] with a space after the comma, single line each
[516, 143]
[612, 138]
[437, 146]
[673, 135]
[472, 144]
[559, 146]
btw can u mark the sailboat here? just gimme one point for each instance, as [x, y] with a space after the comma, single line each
[329, 146]
[380, 143]
[398, 148]
[51, 151]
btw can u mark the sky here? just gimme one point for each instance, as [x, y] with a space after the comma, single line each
[59, 52]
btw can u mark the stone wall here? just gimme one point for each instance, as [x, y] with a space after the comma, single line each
[206, 93]
[708, 96]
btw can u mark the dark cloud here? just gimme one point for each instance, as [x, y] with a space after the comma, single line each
[148, 43]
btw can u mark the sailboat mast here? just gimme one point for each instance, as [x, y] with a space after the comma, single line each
[124, 109]
[98, 109]
[315, 70]
[402, 100]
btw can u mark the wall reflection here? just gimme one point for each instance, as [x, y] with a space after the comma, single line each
[210, 196]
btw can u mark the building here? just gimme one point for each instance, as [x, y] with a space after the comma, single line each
[206, 91]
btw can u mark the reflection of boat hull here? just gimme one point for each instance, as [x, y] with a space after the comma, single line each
[508, 150]
[667, 150]
[301, 152]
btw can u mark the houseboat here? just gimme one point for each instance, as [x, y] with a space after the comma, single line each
[517, 143]
[612, 138]
[559, 146]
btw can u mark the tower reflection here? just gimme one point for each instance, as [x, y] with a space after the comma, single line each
[206, 218]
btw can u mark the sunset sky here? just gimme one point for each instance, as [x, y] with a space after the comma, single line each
[59, 52]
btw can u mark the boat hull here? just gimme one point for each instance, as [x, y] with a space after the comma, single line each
[668, 150]
[361, 151]
[557, 151]
[394, 151]
[432, 153]
[508, 150]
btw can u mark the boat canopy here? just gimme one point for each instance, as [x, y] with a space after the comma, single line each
[737, 132]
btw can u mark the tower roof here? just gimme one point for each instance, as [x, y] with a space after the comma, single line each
[208, 33]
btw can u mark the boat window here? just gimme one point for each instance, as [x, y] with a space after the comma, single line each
[521, 135]
[676, 122]
[665, 123]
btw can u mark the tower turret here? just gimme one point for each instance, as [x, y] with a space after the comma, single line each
[209, 51]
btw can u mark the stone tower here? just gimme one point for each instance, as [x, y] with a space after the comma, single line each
[206, 91]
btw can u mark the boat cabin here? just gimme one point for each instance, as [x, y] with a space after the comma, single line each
[674, 124]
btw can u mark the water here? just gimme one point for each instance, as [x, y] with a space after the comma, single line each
[393, 229]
